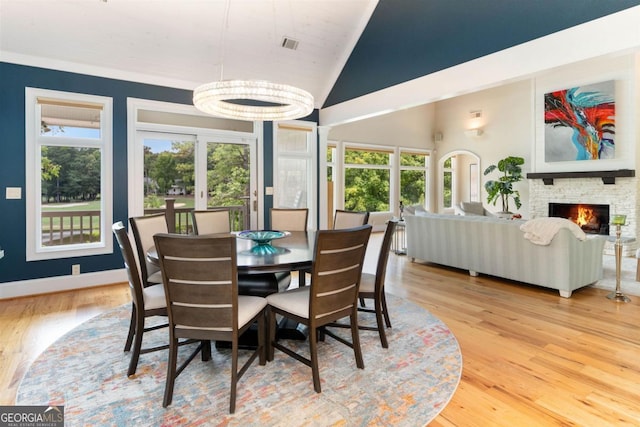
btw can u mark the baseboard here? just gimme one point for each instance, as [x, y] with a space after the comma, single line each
[61, 283]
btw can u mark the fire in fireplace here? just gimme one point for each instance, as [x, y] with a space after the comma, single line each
[593, 219]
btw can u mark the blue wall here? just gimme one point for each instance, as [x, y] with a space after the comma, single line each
[14, 79]
[407, 39]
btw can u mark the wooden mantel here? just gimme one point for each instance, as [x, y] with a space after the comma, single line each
[608, 177]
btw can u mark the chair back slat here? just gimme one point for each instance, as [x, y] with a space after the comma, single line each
[289, 219]
[349, 219]
[143, 229]
[212, 221]
[338, 260]
[201, 282]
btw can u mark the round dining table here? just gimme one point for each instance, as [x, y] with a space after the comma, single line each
[291, 253]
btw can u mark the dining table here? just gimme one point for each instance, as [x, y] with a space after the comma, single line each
[294, 252]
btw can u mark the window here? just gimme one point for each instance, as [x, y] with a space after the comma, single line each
[68, 182]
[294, 166]
[414, 167]
[200, 161]
[367, 179]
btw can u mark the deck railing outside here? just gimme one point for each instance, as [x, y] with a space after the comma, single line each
[63, 228]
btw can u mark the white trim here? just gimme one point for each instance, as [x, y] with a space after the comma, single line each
[33, 141]
[311, 157]
[201, 136]
[613, 34]
[61, 283]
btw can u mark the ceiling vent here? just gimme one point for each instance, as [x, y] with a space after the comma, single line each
[289, 43]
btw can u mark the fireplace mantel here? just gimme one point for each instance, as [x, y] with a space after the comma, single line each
[608, 177]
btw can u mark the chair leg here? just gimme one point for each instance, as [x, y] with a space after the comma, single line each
[262, 332]
[132, 328]
[206, 350]
[313, 350]
[385, 310]
[355, 339]
[171, 373]
[137, 343]
[234, 375]
[379, 313]
[271, 338]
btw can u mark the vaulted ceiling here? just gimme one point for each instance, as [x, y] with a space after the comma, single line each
[184, 43]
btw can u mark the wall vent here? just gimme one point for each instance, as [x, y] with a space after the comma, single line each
[289, 43]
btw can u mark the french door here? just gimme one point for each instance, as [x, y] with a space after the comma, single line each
[199, 171]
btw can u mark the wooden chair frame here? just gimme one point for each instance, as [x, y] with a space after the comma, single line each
[372, 287]
[144, 241]
[200, 277]
[332, 295]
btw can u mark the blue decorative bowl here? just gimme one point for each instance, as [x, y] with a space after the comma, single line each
[263, 239]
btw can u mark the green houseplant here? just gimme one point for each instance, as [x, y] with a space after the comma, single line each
[502, 188]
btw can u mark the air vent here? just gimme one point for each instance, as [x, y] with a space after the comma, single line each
[289, 43]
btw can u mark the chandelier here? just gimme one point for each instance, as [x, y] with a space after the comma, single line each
[252, 100]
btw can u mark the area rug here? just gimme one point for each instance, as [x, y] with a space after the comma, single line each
[407, 384]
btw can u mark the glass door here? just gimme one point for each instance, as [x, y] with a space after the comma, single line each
[227, 179]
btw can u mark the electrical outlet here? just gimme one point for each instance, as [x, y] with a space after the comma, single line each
[75, 269]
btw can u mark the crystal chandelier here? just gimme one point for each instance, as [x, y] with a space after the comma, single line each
[252, 100]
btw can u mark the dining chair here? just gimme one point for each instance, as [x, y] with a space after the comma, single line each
[348, 219]
[332, 295]
[147, 301]
[211, 221]
[200, 276]
[143, 228]
[289, 219]
[372, 287]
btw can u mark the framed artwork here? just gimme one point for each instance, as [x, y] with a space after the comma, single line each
[579, 123]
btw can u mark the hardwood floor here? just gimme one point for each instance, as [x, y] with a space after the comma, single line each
[531, 358]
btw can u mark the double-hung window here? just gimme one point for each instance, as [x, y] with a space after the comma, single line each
[367, 178]
[68, 174]
[414, 173]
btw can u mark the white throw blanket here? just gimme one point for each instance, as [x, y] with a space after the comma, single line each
[542, 230]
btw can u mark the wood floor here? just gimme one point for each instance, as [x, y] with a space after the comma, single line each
[531, 358]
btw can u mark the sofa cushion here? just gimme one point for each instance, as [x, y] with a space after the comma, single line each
[472, 208]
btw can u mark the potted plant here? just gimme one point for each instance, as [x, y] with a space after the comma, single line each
[502, 188]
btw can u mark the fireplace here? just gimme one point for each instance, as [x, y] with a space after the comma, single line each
[593, 219]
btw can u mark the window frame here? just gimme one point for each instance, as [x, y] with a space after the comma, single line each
[425, 169]
[34, 142]
[390, 166]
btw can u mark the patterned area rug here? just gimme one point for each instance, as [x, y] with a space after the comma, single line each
[405, 385]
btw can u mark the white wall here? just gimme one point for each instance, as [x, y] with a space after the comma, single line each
[407, 128]
[507, 124]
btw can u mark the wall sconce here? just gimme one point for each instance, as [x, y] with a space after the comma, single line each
[474, 125]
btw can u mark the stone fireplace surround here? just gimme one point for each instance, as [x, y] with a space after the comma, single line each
[622, 197]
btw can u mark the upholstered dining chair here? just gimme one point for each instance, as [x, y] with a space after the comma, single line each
[211, 221]
[332, 295]
[372, 288]
[289, 219]
[200, 276]
[146, 301]
[348, 219]
[143, 228]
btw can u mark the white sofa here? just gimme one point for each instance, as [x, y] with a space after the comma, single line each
[497, 247]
